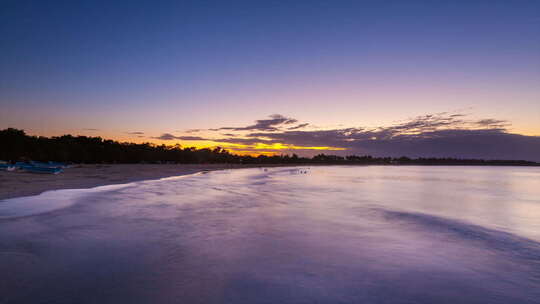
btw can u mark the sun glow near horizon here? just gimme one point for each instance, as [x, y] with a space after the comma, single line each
[280, 134]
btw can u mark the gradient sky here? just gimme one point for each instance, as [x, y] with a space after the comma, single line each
[109, 68]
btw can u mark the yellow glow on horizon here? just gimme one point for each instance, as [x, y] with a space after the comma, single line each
[526, 132]
[253, 150]
[280, 146]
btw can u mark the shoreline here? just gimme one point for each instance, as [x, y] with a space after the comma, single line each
[21, 184]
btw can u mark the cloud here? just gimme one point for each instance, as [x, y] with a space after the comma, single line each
[271, 124]
[492, 123]
[300, 126]
[310, 138]
[165, 136]
[460, 143]
[90, 129]
[425, 123]
[190, 138]
[485, 144]
[169, 136]
[135, 133]
[246, 141]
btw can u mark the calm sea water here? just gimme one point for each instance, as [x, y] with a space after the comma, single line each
[281, 235]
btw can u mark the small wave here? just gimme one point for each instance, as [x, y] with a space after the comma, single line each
[502, 241]
[49, 201]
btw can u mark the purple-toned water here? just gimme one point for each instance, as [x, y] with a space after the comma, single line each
[379, 234]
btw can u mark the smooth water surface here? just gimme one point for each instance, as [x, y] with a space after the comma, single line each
[377, 234]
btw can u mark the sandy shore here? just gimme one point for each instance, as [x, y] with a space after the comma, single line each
[16, 184]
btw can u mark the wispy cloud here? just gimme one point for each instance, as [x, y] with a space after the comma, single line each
[165, 136]
[492, 123]
[193, 130]
[169, 136]
[135, 133]
[272, 124]
[300, 126]
[190, 138]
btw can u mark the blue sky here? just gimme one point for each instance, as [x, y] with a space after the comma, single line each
[167, 66]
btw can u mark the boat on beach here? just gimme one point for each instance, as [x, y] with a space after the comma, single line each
[32, 168]
[49, 164]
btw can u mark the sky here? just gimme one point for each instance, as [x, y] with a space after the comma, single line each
[416, 78]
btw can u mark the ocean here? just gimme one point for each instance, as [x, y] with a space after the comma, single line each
[322, 234]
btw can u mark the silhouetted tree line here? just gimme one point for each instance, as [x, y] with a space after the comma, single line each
[18, 146]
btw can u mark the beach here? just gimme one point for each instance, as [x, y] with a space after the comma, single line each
[16, 184]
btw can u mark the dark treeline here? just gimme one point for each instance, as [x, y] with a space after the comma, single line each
[18, 146]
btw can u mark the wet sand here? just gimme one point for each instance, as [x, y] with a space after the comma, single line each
[16, 184]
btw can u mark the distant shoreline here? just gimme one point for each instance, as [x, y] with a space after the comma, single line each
[18, 184]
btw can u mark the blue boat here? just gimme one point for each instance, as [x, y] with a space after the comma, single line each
[29, 167]
[49, 164]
